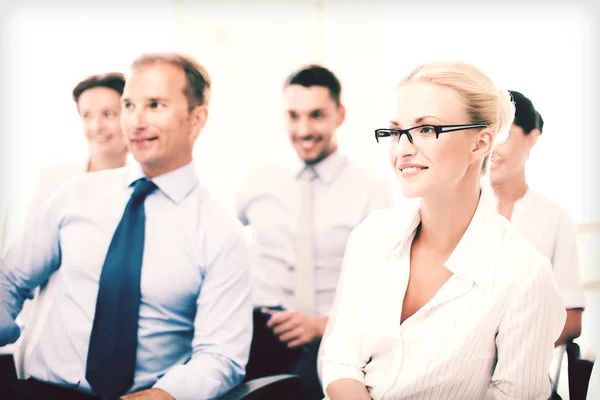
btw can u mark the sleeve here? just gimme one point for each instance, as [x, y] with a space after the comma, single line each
[526, 336]
[222, 329]
[565, 264]
[381, 198]
[341, 354]
[29, 262]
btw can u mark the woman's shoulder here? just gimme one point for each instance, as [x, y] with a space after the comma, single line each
[541, 208]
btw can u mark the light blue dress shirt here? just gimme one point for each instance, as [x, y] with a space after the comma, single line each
[195, 324]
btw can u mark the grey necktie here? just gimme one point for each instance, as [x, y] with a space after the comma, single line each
[305, 291]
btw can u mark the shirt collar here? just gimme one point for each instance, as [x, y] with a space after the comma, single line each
[326, 169]
[517, 205]
[129, 160]
[473, 256]
[472, 259]
[176, 184]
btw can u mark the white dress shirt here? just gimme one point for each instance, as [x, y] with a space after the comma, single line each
[550, 229]
[195, 318]
[489, 330]
[269, 200]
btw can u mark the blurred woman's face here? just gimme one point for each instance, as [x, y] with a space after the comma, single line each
[100, 110]
[509, 158]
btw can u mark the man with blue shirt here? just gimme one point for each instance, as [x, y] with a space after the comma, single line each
[153, 285]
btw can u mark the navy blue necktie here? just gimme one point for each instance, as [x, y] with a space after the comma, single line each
[113, 343]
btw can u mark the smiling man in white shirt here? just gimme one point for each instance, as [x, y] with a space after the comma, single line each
[301, 218]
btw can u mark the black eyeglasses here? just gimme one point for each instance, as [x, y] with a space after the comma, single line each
[422, 131]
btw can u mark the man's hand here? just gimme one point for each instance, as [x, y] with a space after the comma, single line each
[150, 394]
[294, 328]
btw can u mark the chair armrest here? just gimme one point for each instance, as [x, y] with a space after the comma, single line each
[282, 387]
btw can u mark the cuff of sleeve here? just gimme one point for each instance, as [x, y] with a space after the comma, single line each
[334, 371]
[573, 300]
[182, 386]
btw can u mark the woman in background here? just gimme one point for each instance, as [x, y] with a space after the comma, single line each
[544, 223]
[444, 300]
[98, 101]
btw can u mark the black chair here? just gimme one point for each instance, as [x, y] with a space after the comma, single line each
[276, 387]
[580, 363]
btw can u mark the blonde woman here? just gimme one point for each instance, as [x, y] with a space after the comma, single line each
[444, 300]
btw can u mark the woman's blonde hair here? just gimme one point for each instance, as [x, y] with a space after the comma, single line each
[485, 103]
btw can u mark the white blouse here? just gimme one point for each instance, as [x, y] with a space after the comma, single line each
[489, 331]
[550, 229]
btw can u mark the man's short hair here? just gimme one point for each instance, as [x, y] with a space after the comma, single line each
[316, 75]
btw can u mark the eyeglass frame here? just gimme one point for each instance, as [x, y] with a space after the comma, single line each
[439, 129]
